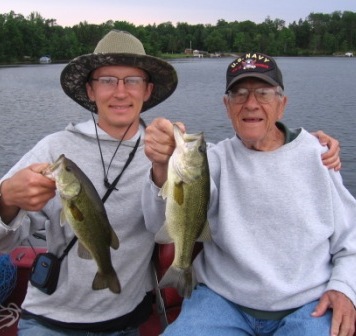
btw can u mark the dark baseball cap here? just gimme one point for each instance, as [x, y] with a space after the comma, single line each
[254, 65]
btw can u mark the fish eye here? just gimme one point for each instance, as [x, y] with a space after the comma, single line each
[68, 169]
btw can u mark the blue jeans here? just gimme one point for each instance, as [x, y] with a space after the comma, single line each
[206, 313]
[33, 328]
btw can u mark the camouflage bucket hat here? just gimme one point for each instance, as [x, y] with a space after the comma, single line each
[118, 48]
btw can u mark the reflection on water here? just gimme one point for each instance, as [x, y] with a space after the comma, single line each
[321, 94]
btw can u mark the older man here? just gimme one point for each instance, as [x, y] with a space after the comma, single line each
[283, 225]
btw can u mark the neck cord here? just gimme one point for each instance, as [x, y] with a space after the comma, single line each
[107, 184]
[111, 187]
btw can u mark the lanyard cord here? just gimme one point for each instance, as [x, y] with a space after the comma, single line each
[106, 171]
[129, 159]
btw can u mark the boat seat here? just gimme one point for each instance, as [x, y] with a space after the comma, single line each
[22, 257]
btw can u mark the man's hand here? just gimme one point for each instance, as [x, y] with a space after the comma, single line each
[159, 146]
[344, 315]
[27, 189]
[331, 158]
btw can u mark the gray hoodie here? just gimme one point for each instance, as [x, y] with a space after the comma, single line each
[74, 300]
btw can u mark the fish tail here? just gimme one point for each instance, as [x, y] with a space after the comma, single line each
[183, 279]
[108, 280]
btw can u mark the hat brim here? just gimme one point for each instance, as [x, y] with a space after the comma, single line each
[76, 74]
[263, 77]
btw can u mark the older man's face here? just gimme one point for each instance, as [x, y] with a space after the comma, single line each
[254, 107]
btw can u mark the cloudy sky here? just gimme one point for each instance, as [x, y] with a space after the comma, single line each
[71, 12]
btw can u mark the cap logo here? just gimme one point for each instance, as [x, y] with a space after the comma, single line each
[250, 62]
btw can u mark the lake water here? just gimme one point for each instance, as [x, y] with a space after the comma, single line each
[321, 92]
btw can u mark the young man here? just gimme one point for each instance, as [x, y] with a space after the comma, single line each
[283, 226]
[118, 81]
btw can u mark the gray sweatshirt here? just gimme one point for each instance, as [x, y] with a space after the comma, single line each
[283, 226]
[74, 300]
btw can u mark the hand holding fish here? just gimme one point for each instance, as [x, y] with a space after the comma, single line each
[159, 147]
[27, 189]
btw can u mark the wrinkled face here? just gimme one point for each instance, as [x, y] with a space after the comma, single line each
[119, 103]
[254, 119]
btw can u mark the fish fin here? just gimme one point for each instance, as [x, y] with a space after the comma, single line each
[114, 240]
[178, 193]
[76, 213]
[110, 280]
[162, 236]
[164, 190]
[83, 252]
[205, 235]
[182, 279]
[63, 219]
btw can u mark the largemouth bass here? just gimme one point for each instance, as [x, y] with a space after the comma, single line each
[187, 192]
[84, 211]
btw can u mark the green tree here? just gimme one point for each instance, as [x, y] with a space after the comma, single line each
[168, 38]
[23, 38]
[214, 42]
[244, 40]
[13, 46]
[302, 32]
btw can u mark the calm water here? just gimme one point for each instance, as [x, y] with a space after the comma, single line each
[321, 91]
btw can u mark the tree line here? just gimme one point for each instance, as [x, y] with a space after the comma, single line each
[28, 38]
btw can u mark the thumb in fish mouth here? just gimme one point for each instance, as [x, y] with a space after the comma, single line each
[48, 173]
[181, 126]
[43, 169]
[39, 167]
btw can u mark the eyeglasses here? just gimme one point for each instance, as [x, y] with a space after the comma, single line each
[263, 95]
[111, 83]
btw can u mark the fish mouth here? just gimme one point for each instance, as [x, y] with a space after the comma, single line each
[50, 171]
[193, 137]
[189, 139]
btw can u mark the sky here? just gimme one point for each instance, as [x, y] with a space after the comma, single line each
[144, 12]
